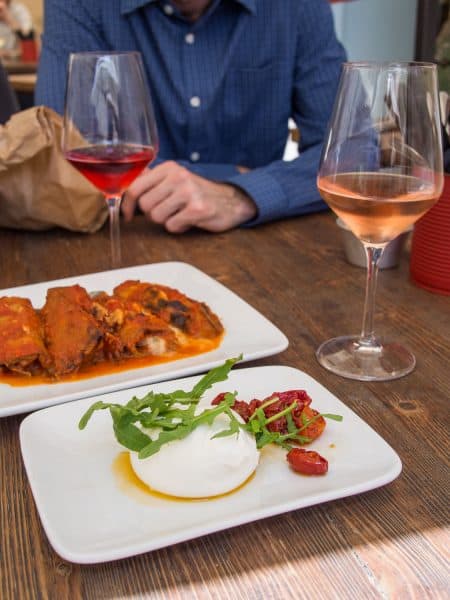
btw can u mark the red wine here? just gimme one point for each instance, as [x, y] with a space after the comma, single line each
[111, 168]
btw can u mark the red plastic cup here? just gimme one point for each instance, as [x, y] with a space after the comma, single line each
[430, 246]
[29, 50]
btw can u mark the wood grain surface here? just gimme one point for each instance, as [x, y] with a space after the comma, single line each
[23, 82]
[388, 543]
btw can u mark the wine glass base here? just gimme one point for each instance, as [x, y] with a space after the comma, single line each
[348, 357]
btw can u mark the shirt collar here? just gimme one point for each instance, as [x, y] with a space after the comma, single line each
[129, 6]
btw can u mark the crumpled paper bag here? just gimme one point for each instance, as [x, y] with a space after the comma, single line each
[39, 189]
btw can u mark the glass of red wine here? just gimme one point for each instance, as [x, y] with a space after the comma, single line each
[110, 132]
[380, 171]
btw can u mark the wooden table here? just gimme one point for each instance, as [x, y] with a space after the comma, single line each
[18, 66]
[22, 76]
[387, 543]
[23, 82]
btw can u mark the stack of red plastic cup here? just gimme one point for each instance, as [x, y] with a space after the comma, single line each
[430, 246]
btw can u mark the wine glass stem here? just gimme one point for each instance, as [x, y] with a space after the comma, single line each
[373, 255]
[114, 229]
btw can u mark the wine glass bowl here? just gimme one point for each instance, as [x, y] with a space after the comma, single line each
[110, 133]
[380, 171]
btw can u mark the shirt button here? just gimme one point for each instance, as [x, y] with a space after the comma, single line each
[189, 38]
[195, 156]
[195, 101]
[168, 9]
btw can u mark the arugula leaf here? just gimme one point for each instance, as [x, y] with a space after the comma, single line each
[282, 413]
[216, 375]
[234, 428]
[90, 411]
[333, 417]
[126, 433]
[164, 437]
[255, 426]
[183, 429]
[174, 417]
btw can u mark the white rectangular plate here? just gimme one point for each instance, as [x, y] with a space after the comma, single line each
[89, 516]
[246, 331]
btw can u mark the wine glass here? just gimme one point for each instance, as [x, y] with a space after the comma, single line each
[380, 171]
[110, 133]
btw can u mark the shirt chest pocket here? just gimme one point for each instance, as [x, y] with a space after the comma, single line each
[257, 103]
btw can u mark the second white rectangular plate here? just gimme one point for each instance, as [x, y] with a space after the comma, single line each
[90, 516]
[246, 331]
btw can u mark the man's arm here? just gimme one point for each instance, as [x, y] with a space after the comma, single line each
[285, 189]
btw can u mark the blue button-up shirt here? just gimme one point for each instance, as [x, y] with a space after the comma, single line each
[223, 86]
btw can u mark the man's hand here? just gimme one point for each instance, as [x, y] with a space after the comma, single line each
[174, 197]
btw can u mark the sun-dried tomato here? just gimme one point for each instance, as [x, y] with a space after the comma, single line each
[290, 395]
[244, 409]
[218, 399]
[254, 404]
[314, 429]
[286, 399]
[240, 406]
[307, 462]
[283, 400]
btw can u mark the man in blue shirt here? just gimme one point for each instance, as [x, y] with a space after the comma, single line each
[225, 77]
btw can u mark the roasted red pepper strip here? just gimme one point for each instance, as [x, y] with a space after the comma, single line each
[307, 462]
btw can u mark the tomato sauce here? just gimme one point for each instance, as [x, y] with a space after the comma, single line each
[129, 483]
[194, 348]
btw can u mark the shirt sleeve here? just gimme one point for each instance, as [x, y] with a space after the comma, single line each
[215, 171]
[288, 188]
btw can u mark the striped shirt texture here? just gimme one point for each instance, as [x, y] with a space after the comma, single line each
[223, 87]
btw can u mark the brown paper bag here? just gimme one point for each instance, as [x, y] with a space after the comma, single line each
[39, 189]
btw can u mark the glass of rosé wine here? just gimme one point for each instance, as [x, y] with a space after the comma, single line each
[110, 133]
[380, 171]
